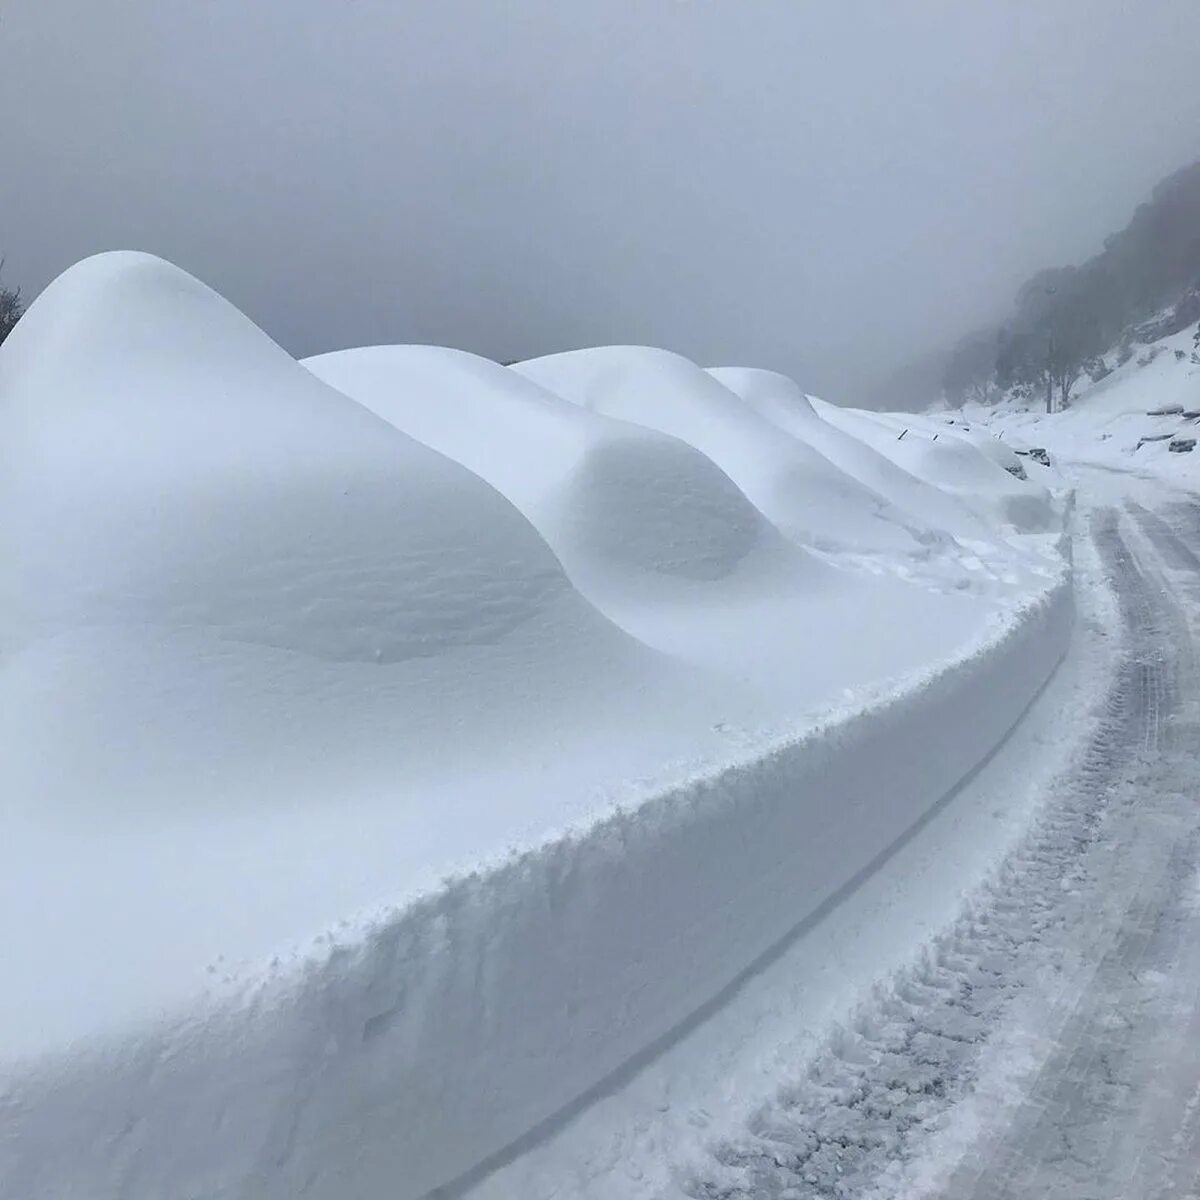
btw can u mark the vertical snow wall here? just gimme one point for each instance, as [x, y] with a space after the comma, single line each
[410, 1051]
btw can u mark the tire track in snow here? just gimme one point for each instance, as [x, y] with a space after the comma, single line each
[1076, 926]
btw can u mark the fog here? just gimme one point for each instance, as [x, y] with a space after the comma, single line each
[826, 187]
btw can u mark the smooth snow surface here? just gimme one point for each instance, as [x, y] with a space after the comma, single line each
[652, 531]
[781, 401]
[800, 490]
[392, 767]
[610, 497]
[929, 448]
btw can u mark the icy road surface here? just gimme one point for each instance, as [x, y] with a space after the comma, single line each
[1048, 1044]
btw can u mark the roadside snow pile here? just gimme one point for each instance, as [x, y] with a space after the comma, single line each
[1134, 418]
[652, 531]
[799, 489]
[931, 450]
[609, 496]
[345, 841]
[781, 401]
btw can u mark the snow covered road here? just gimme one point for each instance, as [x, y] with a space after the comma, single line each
[1046, 1045]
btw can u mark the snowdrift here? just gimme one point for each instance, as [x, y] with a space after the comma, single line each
[652, 531]
[609, 496]
[346, 841]
[933, 451]
[780, 400]
[801, 491]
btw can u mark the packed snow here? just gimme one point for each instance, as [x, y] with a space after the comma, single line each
[401, 748]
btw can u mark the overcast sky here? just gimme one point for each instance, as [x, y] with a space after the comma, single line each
[826, 187]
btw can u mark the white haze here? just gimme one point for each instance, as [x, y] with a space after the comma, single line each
[828, 188]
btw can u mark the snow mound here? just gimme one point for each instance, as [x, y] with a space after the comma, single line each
[345, 844]
[166, 464]
[930, 450]
[650, 529]
[608, 496]
[798, 489]
[780, 400]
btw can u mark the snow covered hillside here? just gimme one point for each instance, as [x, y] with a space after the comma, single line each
[1143, 417]
[398, 747]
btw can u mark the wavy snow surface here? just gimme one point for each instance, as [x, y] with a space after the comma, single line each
[933, 451]
[801, 491]
[781, 401]
[609, 496]
[349, 835]
[651, 530]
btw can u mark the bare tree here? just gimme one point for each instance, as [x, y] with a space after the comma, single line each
[11, 307]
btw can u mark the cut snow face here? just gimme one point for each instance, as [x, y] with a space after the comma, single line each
[242, 606]
[346, 841]
[780, 400]
[810, 499]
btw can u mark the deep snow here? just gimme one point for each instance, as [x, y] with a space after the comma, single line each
[661, 540]
[394, 765]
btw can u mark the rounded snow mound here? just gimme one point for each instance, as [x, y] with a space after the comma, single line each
[932, 451]
[799, 489]
[781, 401]
[166, 464]
[609, 496]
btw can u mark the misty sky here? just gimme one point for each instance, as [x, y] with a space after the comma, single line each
[826, 187]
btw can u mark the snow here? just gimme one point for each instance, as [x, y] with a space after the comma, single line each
[933, 450]
[799, 489]
[1107, 422]
[652, 531]
[394, 764]
[781, 401]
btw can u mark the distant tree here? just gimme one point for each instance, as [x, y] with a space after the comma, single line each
[969, 370]
[11, 307]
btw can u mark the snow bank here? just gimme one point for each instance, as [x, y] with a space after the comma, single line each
[345, 841]
[779, 400]
[652, 531]
[932, 451]
[609, 496]
[166, 464]
[245, 607]
[400, 1055]
[799, 489]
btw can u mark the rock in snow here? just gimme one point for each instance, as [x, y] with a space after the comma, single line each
[396, 748]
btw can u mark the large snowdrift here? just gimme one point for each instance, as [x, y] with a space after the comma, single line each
[652, 531]
[801, 491]
[933, 451]
[781, 401]
[345, 841]
[610, 497]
